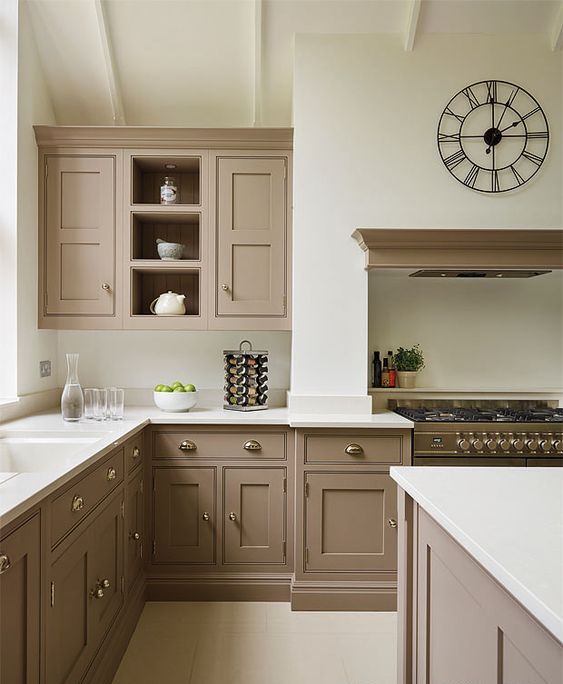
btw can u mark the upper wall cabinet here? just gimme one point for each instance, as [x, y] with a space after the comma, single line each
[250, 282]
[101, 217]
[79, 271]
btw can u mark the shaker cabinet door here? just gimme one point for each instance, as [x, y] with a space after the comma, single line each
[254, 515]
[251, 236]
[79, 240]
[20, 604]
[350, 522]
[184, 515]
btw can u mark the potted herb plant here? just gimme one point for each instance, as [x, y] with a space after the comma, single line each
[407, 364]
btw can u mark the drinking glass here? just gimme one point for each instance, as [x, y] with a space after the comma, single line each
[89, 403]
[100, 403]
[116, 401]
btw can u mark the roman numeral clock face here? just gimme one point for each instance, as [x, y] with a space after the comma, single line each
[493, 136]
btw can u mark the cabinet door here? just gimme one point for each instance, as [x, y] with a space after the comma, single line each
[350, 522]
[20, 610]
[254, 515]
[79, 258]
[251, 236]
[134, 528]
[184, 515]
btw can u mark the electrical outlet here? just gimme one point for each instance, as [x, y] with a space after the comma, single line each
[44, 369]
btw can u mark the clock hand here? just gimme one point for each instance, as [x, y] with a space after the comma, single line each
[511, 126]
[506, 106]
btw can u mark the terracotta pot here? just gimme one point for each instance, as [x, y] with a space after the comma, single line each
[407, 379]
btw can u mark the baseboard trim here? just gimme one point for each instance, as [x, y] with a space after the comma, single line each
[225, 588]
[352, 596]
[105, 664]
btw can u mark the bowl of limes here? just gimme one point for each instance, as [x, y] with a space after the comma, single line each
[176, 397]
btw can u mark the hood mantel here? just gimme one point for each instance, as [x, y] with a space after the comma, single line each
[461, 248]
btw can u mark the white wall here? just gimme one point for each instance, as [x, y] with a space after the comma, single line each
[142, 359]
[485, 333]
[365, 115]
[34, 107]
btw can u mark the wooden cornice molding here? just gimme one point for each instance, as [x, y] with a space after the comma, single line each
[158, 137]
[461, 248]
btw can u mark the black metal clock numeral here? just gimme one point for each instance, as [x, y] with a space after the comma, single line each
[493, 136]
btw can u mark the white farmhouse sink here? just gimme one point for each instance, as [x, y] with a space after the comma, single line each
[28, 453]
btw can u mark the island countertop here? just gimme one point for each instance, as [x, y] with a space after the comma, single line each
[510, 520]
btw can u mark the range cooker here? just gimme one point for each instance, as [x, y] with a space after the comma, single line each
[485, 434]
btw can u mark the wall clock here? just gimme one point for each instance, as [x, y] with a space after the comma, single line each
[493, 136]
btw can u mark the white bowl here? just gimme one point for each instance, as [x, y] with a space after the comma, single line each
[175, 402]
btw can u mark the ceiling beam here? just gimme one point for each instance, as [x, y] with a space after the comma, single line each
[257, 86]
[557, 30]
[412, 24]
[109, 59]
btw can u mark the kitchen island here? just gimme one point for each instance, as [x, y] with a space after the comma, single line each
[480, 594]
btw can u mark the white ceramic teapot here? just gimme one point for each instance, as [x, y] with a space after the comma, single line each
[168, 304]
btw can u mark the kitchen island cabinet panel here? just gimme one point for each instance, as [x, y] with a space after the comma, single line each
[20, 604]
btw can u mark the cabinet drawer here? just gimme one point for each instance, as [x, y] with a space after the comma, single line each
[220, 445]
[133, 453]
[346, 449]
[70, 508]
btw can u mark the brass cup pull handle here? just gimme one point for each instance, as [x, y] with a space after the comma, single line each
[187, 445]
[205, 517]
[134, 535]
[232, 516]
[111, 474]
[136, 452]
[354, 450]
[4, 563]
[252, 445]
[106, 287]
[77, 503]
[392, 522]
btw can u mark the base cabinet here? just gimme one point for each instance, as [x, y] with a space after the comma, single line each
[85, 582]
[134, 528]
[20, 583]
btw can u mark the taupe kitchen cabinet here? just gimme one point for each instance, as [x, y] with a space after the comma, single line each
[250, 239]
[346, 518]
[86, 592]
[134, 528]
[184, 515]
[79, 269]
[20, 586]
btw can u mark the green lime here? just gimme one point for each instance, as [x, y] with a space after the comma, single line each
[177, 384]
[189, 388]
[179, 389]
[158, 388]
[166, 388]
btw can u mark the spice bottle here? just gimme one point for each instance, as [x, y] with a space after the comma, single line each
[392, 371]
[385, 373]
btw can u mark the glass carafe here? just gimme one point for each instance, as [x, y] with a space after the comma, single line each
[72, 401]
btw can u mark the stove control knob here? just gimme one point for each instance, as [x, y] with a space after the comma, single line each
[504, 444]
[518, 443]
[558, 445]
[532, 444]
[463, 444]
[545, 445]
[477, 443]
[491, 444]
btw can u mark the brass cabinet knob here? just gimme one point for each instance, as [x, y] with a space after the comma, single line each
[105, 583]
[134, 535]
[187, 445]
[224, 287]
[136, 452]
[106, 287]
[97, 593]
[392, 522]
[77, 503]
[232, 516]
[205, 517]
[4, 563]
[354, 450]
[252, 445]
[111, 474]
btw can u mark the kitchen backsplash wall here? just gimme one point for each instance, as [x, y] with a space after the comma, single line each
[142, 359]
[474, 334]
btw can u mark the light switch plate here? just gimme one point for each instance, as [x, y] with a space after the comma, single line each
[44, 369]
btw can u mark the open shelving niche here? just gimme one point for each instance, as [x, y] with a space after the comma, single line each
[147, 173]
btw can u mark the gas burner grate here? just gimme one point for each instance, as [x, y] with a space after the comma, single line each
[457, 414]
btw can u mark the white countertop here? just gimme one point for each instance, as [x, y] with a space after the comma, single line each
[509, 519]
[21, 491]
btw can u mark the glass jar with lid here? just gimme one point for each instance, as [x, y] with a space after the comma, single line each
[168, 190]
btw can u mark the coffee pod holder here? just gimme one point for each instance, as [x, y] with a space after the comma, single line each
[246, 378]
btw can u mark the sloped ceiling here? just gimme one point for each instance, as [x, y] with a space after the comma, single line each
[226, 62]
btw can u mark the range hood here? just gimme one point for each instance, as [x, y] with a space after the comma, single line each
[459, 253]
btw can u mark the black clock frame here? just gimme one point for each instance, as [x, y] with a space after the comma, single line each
[491, 136]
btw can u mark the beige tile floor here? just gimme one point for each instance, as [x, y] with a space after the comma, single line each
[258, 643]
